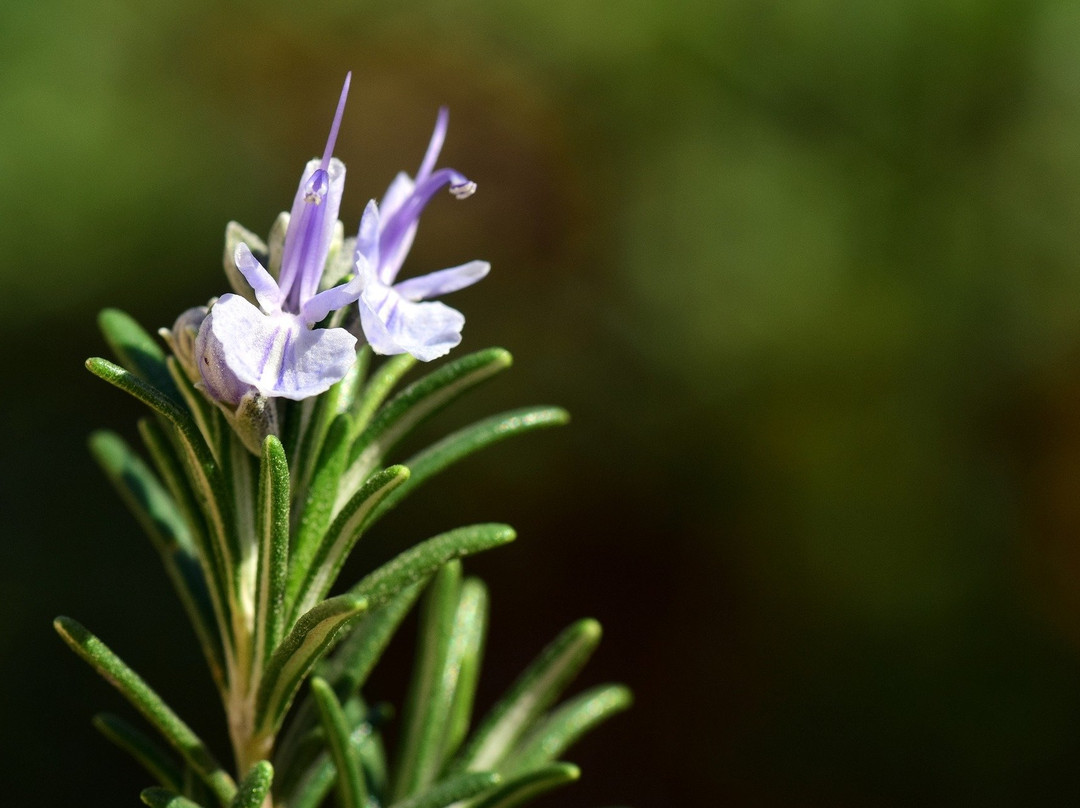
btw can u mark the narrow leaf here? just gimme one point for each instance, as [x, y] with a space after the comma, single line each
[159, 516]
[354, 380]
[199, 463]
[431, 689]
[147, 702]
[137, 350]
[533, 692]
[317, 781]
[273, 547]
[253, 789]
[423, 559]
[568, 723]
[413, 405]
[298, 652]
[464, 442]
[451, 790]
[164, 798]
[354, 659]
[316, 506]
[307, 586]
[379, 386]
[146, 753]
[207, 417]
[171, 469]
[154, 398]
[523, 788]
[348, 668]
[464, 655]
[352, 791]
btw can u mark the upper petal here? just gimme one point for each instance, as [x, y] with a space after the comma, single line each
[311, 229]
[262, 282]
[443, 282]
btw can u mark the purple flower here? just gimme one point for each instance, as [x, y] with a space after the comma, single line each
[399, 317]
[274, 349]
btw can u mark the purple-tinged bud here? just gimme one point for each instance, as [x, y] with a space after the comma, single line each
[216, 380]
[181, 340]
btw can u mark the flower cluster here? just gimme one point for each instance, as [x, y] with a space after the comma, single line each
[264, 341]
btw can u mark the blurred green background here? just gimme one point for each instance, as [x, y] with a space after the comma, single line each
[807, 274]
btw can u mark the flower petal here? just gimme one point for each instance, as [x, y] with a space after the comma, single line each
[367, 237]
[443, 282]
[262, 282]
[276, 353]
[332, 299]
[394, 325]
[311, 229]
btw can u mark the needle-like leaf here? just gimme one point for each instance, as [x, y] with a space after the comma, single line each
[272, 530]
[137, 350]
[253, 789]
[524, 787]
[352, 791]
[452, 790]
[423, 559]
[533, 692]
[148, 754]
[413, 405]
[297, 654]
[146, 701]
[568, 723]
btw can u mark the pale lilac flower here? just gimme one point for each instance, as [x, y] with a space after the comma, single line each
[399, 317]
[273, 348]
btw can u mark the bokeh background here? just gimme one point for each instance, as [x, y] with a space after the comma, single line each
[807, 274]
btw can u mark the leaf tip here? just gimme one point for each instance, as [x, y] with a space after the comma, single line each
[590, 629]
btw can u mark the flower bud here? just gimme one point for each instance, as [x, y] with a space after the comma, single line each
[182, 337]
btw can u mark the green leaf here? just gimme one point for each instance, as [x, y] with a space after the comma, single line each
[354, 659]
[164, 798]
[146, 701]
[354, 380]
[297, 653]
[523, 788]
[137, 350]
[465, 442]
[146, 753]
[352, 791]
[464, 655]
[378, 387]
[309, 584]
[169, 466]
[207, 417]
[423, 559]
[272, 520]
[156, 400]
[451, 790]
[348, 668]
[568, 723]
[171, 469]
[315, 508]
[321, 774]
[220, 553]
[533, 692]
[413, 405]
[321, 413]
[254, 788]
[431, 689]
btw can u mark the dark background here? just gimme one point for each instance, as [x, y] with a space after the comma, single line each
[807, 275]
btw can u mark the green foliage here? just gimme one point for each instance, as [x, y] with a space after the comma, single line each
[254, 546]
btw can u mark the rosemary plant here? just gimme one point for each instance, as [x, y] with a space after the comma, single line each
[271, 439]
